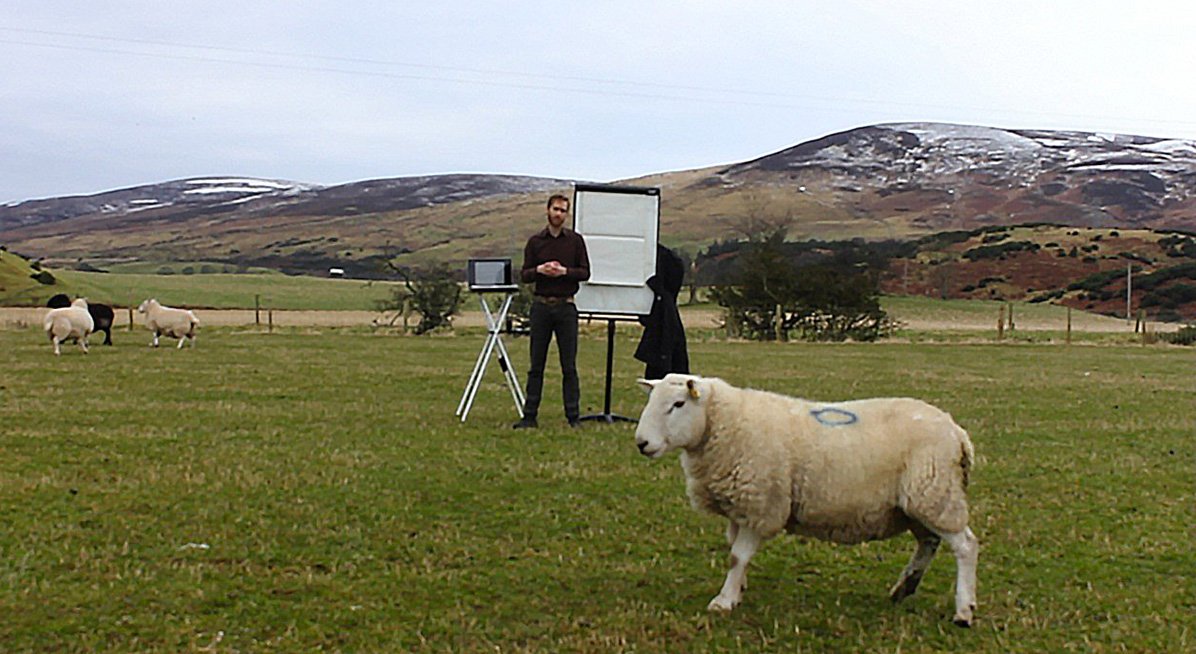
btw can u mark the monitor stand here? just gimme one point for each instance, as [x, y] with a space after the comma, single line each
[495, 346]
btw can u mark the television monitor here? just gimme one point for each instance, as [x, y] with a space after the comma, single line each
[490, 276]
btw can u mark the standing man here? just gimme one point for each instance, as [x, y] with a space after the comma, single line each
[555, 259]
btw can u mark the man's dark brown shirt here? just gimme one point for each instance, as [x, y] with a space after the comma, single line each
[569, 248]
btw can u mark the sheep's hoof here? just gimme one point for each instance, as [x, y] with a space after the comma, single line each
[962, 620]
[904, 588]
[721, 604]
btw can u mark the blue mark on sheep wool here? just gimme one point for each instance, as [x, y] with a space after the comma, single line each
[832, 417]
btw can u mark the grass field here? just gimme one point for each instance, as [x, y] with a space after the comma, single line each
[311, 490]
[232, 291]
[219, 290]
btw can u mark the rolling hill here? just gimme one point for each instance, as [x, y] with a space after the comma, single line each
[884, 181]
[900, 181]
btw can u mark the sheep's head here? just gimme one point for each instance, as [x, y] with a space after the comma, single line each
[144, 306]
[80, 303]
[675, 416]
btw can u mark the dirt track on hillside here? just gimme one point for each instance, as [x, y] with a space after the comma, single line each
[18, 318]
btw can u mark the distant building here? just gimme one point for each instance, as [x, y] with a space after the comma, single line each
[336, 272]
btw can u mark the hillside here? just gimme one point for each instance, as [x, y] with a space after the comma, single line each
[878, 182]
[24, 283]
[1084, 268]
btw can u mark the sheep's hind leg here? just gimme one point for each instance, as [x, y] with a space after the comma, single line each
[907, 583]
[967, 553]
[742, 550]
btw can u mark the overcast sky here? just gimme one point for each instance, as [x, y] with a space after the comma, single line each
[101, 95]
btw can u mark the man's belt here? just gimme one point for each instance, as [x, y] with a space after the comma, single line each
[551, 299]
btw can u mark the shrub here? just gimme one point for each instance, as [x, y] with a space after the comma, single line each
[433, 292]
[1000, 250]
[1186, 335]
[827, 301]
[1170, 297]
[44, 277]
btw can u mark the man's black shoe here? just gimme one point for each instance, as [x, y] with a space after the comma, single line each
[525, 423]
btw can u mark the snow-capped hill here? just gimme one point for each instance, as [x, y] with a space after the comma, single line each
[965, 173]
[185, 198]
[200, 191]
[406, 193]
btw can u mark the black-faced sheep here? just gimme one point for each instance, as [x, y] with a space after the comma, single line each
[101, 314]
[175, 323]
[846, 472]
[69, 323]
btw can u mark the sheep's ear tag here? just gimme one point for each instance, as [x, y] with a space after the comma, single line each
[693, 390]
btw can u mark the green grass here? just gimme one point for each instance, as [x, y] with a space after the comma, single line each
[312, 490]
[16, 285]
[225, 291]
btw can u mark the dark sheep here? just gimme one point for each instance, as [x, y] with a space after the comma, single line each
[100, 313]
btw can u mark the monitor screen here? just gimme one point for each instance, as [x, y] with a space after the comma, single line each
[490, 275]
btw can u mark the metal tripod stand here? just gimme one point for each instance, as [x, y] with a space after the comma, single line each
[493, 346]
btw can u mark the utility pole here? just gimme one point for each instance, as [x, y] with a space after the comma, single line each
[1129, 286]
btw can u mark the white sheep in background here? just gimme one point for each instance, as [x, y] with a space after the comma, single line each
[175, 323]
[67, 323]
[847, 472]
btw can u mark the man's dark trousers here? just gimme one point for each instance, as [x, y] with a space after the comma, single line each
[547, 320]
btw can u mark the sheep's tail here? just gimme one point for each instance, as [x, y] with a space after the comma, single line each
[967, 453]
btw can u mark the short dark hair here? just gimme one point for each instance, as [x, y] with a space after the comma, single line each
[554, 198]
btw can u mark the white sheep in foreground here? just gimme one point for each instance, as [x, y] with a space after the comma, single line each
[67, 323]
[846, 472]
[175, 323]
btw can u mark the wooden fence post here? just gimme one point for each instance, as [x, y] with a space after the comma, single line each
[1069, 325]
[1001, 323]
[270, 318]
[257, 310]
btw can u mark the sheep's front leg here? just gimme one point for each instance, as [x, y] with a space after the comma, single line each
[154, 343]
[742, 550]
